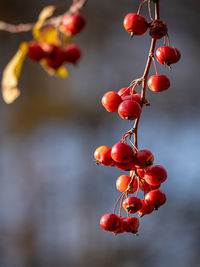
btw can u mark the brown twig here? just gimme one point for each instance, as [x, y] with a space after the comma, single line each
[55, 21]
[134, 129]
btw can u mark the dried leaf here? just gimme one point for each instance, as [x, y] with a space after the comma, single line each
[11, 74]
[44, 14]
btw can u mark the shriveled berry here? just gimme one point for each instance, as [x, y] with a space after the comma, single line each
[123, 182]
[135, 24]
[122, 153]
[155, 198]
[146, 209]
[73, 23]
[143, 159]
[72, 53]
[157, 29]
[103, 156]
[35, 51]
[167, 55]
[129, 110]
[111, 101]
[158, 83]
[110, 222]
[132, 204]
[155, 175]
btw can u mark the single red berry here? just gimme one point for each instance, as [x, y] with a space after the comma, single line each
[123, 182]
[131, 225]
[35, 51]
[129, 110]
[135, 24]
[111, 101]
[132, 204]
[123, 92]
[72, 53]
[157, 29]
[54, 55]
[143, 159]
[134, 97]
[146, 209]
[122, 153]
[155, 198]
[158, 83]
[110, 222]
[73, 23]
[103, 156]
[155, 175]
[145, 187]
[126, 166]
[167, 55]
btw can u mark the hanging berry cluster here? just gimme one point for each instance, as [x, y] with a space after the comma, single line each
[144, 177]
[56, 53]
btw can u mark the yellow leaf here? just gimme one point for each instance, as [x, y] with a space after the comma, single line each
[49, 35]
[44, 14]
[61, 72]
[11, 74]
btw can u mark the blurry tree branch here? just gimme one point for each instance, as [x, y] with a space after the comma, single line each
[55, 21]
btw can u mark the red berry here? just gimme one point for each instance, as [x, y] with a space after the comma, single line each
[135, 97]
[73, 23]
[155, 198]
[131, 225]
[54, 55]
[143, 159]
[123, 182]
[129, 110]
[122, 226]
[126, 166]
[141, 172]
[103, 156]
[155, 175]
[123, 92]
[35, 51]
[72, 53]
[110, 222]
[111, 101]
[145, 187]
[167, 55]
[158, 29]
[135, 24]
[146, 209]
[132, 204]
[122, 153]
[158, 83]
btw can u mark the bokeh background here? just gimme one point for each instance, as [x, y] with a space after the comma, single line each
[52, 195]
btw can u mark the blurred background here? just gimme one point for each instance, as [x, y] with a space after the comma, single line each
[52, 195]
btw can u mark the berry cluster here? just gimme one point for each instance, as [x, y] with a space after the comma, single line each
[55, 55]
[144, 177]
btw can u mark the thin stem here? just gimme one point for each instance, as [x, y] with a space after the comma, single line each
[149, 8]
[154, 62]
[55, 21]
[123, 194]
[120, 209]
